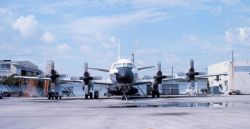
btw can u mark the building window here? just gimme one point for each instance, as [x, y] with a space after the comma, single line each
[5, 66]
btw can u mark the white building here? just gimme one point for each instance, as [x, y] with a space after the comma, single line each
[238, 77]
[183, 86]
[8, 68]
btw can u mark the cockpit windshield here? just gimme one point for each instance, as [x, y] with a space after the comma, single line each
[119, 65]
[129, 65]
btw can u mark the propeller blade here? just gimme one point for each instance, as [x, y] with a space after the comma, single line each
[192, 63]
[86, 67]
[159, 66]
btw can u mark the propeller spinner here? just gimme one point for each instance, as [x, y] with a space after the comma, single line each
[158, 78]
[191, 73]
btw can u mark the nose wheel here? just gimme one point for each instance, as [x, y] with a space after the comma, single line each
[124, 96]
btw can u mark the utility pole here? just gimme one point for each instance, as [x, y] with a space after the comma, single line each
[232, 78]
[172, 74]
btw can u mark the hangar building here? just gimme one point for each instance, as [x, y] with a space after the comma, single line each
[9, 67]
[238, 78]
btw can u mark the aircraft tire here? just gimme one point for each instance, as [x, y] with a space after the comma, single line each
[91, 95]
[86, 96]
[158, 94]
[96, 94]
[153, 94]
[49, 96]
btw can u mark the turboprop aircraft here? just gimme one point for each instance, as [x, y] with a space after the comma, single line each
[123, 79]
[192, 75]
[54, 78]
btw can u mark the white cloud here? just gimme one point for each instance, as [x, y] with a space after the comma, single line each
[47, 37]
[93, 24]
[244, 34]
[61, 48]
[86, 50]
[112, 42]
[191, 39]
[27, 25]
[239, 35]
[229, 37]
[204, 45]
[160, 2]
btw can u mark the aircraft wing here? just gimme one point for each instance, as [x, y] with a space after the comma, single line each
[175, 79]
[211, 75]
[144, 81]
[102, 82]
[198, 76]
[145, 67]
[34, 78]
[98, 69]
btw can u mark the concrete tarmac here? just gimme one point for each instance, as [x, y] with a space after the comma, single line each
[210, 112]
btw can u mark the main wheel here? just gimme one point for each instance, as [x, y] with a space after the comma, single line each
[86, 96]
[91, 95]
[96, 94]
[158, 94]
[49, 96]
[1, 96]
[153, 93]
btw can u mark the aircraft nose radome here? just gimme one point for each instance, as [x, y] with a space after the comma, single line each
[125, 75]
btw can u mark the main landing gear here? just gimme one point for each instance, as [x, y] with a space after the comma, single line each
[155, 93]
[92, 95]
[54, 95]
[1, 95]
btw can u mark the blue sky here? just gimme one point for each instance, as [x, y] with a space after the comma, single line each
[167, 31]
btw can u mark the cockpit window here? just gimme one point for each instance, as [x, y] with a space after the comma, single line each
[114, 66]
[118, 65]
[124, 65]
[129, 65]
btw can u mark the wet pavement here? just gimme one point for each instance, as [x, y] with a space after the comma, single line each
[209, 112]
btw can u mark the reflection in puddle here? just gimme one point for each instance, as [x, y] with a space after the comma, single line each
[172, 104]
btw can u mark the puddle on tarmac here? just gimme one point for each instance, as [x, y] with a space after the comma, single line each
[173, 104]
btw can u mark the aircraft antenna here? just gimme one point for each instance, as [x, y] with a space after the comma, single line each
[133, 58]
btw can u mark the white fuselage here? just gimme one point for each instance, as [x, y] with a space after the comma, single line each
[121, 64]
